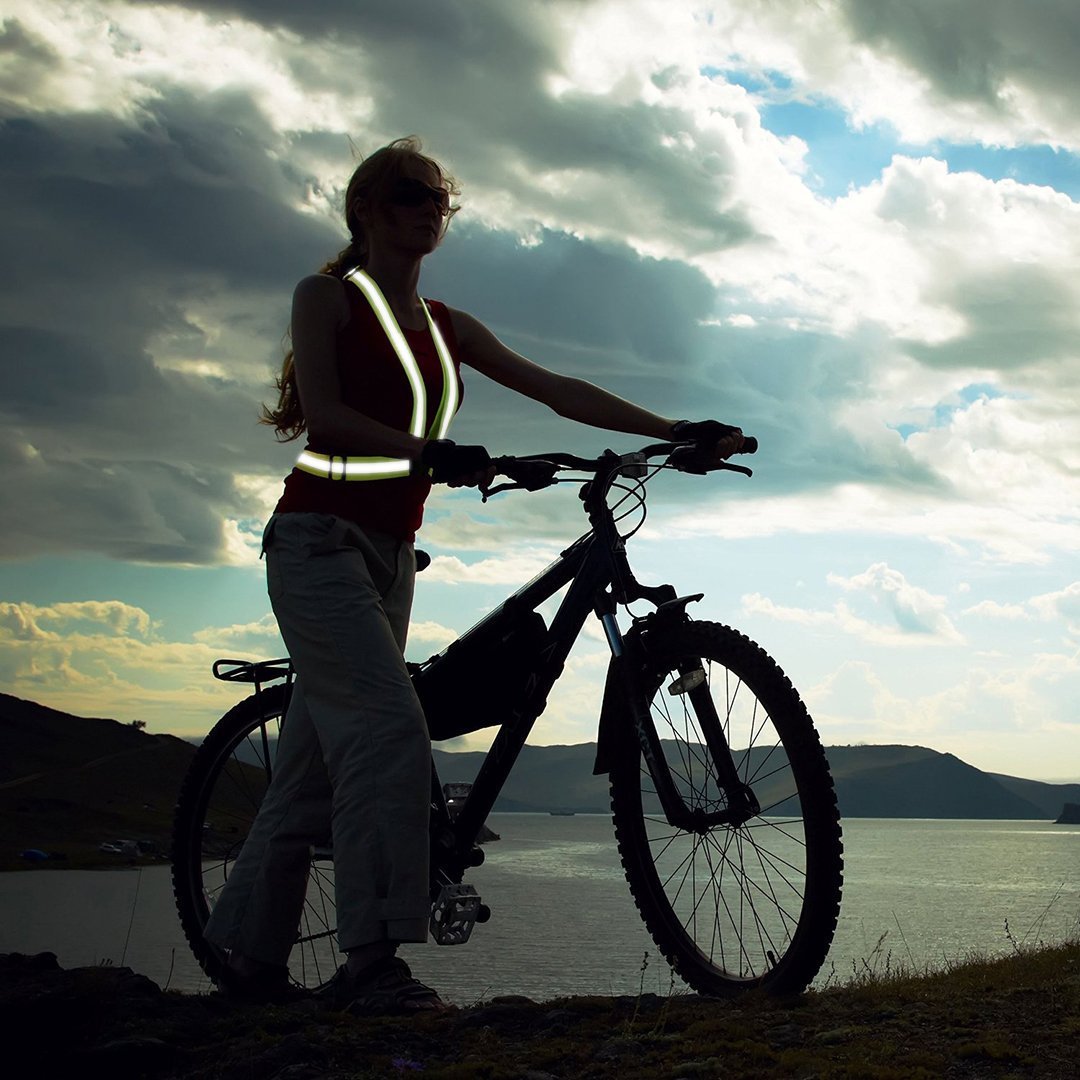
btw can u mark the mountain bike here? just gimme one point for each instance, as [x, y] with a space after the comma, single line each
[724, 811]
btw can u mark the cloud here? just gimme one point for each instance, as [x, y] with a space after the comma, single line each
[985, 71]
[905, 351]
[512, 569]
[917, 616]
[77, 656]
[1062, 604]
[426, 634]
[991, 609]
[915, 610]
[840, 618]
[992, 70]
[1020, 707]
[628, 219]
[240, 634]
[31, 622]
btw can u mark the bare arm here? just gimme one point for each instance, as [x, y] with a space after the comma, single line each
[319, 310]
[574, 399]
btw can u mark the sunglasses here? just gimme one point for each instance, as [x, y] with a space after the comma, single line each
[409, 192]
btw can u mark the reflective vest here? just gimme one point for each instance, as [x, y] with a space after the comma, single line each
[337, 467]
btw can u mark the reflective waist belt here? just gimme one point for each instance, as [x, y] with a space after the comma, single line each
[353, 467]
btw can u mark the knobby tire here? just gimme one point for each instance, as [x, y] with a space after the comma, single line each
[732, 908]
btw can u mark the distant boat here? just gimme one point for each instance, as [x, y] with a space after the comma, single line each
[562, 813]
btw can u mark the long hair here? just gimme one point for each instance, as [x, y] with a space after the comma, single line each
[369, 181]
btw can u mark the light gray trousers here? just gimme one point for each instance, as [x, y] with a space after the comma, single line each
[354, 758]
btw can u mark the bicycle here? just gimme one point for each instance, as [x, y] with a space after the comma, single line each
[724, 810]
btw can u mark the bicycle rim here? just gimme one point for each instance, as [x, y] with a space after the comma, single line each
[218, 803]
[732, 907]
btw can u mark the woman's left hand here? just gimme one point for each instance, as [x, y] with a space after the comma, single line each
[716, 441]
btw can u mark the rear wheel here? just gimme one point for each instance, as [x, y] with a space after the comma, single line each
[732, 907]
[218, 802]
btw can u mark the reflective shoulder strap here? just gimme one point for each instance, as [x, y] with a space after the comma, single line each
[374, 296]
[448, 406]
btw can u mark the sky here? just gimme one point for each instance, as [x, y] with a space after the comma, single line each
[851, 227]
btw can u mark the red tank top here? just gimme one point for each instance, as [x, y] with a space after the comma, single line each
[374, 383]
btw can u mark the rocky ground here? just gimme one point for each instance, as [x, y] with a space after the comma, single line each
[1015, 1017]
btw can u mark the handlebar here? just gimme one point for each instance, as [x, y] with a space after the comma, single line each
[532, 472]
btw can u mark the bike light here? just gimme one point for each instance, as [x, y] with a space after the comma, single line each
[685, 683]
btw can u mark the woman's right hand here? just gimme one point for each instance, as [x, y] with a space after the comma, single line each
[457, 466]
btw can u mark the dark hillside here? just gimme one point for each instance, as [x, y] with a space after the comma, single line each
[1049, 798]
[71, 782]
[35, 738]
[937, 786]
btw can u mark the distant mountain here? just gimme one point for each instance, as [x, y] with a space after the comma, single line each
[914, 782]
[69, 782]
[1047, 797]
[871, 781]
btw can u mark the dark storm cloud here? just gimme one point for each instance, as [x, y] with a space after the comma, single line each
[190, 189]
[500, 35]
[1020, 316]
[973, 50]
[109, 230]
[475, 76]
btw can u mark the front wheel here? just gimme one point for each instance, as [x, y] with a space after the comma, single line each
[731, 906]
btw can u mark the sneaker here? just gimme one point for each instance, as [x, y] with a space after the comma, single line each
[271, 986]
[384, 988]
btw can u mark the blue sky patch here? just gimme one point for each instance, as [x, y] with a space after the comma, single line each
[840, 157]
[1038, 165]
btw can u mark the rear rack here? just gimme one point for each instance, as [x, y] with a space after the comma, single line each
[253, 671]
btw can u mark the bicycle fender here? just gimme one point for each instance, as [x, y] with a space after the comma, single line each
[605, 731]
[615, 704]
[614, 694]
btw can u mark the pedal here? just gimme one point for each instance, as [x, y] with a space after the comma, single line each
[454, 914]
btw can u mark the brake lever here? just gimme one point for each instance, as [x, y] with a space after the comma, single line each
[485, 495]
[687, 452]
[728, 467]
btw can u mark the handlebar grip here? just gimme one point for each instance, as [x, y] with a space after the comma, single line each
[531, 475]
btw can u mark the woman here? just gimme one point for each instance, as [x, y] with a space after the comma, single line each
[374, 381]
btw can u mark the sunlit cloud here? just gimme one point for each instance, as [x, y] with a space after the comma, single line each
[647, 204]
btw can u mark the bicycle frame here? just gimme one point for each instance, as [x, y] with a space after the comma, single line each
[600, 577]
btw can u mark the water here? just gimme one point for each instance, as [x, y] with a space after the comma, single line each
[563, 921]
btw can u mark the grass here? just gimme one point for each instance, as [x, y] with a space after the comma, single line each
[1017, 1015]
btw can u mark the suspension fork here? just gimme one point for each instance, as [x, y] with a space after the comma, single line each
[630, 666]
[742, 802]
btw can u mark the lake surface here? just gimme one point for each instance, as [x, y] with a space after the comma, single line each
[924, 893]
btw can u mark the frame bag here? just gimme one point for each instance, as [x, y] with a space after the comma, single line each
[477, 680]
